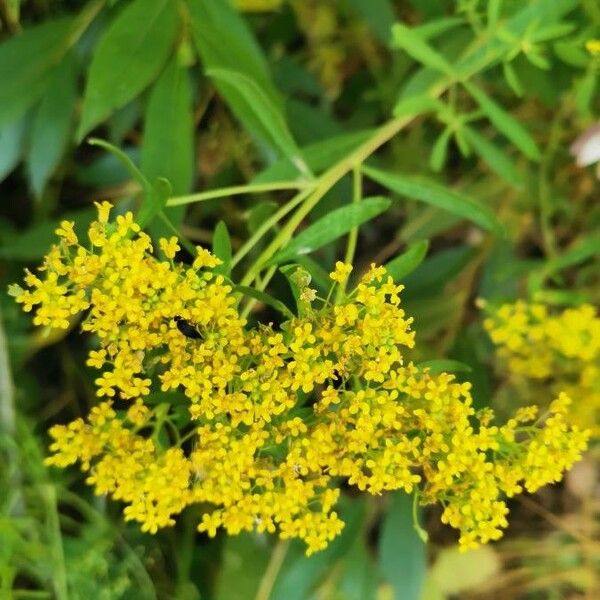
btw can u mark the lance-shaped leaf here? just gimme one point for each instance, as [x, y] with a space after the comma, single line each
[222, 248]
[408, 261]
[331, 227]
[26, 64]
[435, 194]
[128, 58]
[504, 122]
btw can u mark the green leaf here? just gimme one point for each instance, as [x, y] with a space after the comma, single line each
[377, 14]
[408, 261]
[435, 194]
[168, 144]
[263, 110]
[154, 202]
[222, 248]
[402, 554]
[318, 156]
[440, 151]
[444, 365]
[12, 144]
[512, 78]
[128, 57]
[433, 28]
[231, 55]
[496, 160]
[26, 64]
[265, 299]
[332, 226]
[413, 43]
[51, 126]
[504, 122]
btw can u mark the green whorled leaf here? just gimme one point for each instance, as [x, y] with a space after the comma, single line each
[51, 126]
[168, 144]
[444, 365]
[496, 160]
[318, 156]
[414, 44]
[12, 145]
[408, 261]
[222, 248]
[257, 103]
[402, 553]
[437, 159]
[129, 56]
[433, 193]
[265, 298]
[512, 78]
[504, 122]
[26, 64]
[332, 226]
[435, 27]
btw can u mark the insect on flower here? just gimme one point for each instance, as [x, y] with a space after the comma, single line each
[187, 328]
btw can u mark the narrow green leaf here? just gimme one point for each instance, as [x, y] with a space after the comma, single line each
[435, 27]
[26, 64]
[168, 144]
[12, 144]
[265, 299]
[496, 160]
[332, 226]
[512, 78]
[444, 365]
[413, 43]
[51, 126]
[402, 554]
[505, 122]
[435, 194]
[408, 261]
[439, 152]
[222, 248]
[128, 57]
[267, 113]
[318, 156]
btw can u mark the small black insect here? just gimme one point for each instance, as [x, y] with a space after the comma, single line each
[187, 328]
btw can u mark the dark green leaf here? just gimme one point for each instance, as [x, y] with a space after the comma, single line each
[128, 57]
[496, 160]
[414, 44]
[332, 226]
[265, 299]
[408, 261]
[402, 554]
[12, 138]
[444, 365]
[51, 126]
[168, 144]
[433, 193]
[265, 112]
[125, 160]
[26, 64]
[222, 248]
[504, 122]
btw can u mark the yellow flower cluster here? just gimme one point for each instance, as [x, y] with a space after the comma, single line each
[553, 352]
[261, 425]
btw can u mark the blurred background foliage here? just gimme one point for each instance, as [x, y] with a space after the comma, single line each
[488, 203]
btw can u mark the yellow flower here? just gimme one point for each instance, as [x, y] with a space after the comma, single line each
[170, 247]
[341, 273]
[593, 46]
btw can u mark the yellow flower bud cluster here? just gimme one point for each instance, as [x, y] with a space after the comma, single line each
[552, 353]
[260, 426]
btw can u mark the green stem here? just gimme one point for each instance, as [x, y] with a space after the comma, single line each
[325, 182]
[270, 222]
[235, 190]
[353, 235]
[268, 580]
[260, 286]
